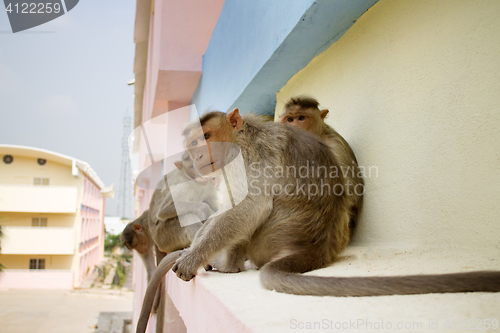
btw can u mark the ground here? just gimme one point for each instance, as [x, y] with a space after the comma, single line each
[64, 311]
[58, 311]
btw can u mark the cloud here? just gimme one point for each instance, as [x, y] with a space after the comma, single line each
[58, 105]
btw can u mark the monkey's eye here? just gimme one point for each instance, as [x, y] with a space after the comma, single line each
[194, 143]
[289, 119]
[302, 118]
[207, 136]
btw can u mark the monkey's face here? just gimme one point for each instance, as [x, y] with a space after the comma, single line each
[311, 120]
[304, 119]
[208, 146]
[140, 243]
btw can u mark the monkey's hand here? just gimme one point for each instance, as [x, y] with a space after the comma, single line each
[186, 266]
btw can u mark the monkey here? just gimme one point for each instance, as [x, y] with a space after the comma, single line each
[136, 236]
[160, 226]
[303, 112]
[288, 231]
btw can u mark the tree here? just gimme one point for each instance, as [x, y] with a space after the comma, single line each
[111, 241]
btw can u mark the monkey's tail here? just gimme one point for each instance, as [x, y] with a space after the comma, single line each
[162, 269]
[274, 278]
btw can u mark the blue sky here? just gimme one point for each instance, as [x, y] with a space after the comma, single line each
[63, 84]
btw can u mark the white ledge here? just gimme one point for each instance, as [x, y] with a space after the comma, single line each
[216, 302]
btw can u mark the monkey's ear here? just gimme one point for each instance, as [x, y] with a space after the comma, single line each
[323, 113]
[178, 164]
[137, 227]
[234, 119]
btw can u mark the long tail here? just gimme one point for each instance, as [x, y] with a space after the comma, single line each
[293, 283]
[153, 284]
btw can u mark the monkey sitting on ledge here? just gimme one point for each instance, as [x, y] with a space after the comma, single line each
[159, 231]
[303, 112]
[287, 230]
[160, 226]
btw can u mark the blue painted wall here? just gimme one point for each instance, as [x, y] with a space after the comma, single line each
[257, 46]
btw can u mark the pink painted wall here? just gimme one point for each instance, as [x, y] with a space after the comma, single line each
[178, 37]
[140, 286]
[179, 32]
[36, 279]
[91, 241]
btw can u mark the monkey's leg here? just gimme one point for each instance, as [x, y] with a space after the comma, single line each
[231, 260]
[222, 231]
[159, 256]
[191, 230]
[149, 261]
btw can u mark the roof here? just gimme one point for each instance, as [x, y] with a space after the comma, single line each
[107, 191]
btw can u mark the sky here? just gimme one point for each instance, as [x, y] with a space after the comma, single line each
[63, 85]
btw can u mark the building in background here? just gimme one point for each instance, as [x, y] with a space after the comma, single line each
[52, 215]
[114, 225]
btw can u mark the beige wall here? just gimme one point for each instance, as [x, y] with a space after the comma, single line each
[24, 169]
[24, 219]
[414, 86]
[34, 240]
[23, 261]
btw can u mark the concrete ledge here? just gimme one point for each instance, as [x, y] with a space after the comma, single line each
[216, 302]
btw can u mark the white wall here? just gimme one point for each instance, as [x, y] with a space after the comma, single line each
[414, 86]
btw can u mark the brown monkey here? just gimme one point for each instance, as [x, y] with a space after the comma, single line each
[136, 236]
[199, 200]
[292, 228]
[303, 112]
[160, 225]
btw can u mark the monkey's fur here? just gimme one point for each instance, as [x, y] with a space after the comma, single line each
[303, 112]
[287, 234]
[136, 236]
[159, 226]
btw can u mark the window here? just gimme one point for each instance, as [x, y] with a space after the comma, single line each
[39, 222]
[8, 159]
[41, 181]
[41, 161]
[37, 263]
